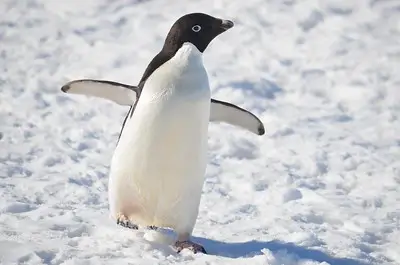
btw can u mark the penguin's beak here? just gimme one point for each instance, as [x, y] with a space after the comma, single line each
[226, 24]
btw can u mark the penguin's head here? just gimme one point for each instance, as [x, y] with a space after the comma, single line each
[197, 28]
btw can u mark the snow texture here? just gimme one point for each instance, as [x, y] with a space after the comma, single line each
[322, 186]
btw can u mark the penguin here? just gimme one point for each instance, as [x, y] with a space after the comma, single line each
[158, 167]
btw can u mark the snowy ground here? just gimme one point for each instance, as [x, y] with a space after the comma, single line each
[321, 187]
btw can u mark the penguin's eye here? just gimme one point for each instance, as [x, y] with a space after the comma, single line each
[196, 28]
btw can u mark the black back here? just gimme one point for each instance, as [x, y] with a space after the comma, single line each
[197, 28]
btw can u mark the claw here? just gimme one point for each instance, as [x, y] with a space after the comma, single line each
[123, 221]
[180, 245]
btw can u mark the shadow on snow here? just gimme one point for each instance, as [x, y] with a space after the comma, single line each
[253, 248]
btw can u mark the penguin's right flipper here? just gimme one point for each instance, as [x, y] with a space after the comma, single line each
[119, 93]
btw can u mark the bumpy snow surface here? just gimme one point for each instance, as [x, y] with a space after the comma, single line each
[322, 186]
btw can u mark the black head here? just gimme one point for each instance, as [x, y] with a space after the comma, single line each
[196, 28]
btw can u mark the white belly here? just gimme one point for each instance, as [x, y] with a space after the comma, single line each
[158, 168]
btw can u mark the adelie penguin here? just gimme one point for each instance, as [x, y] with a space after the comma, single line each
[158, 168]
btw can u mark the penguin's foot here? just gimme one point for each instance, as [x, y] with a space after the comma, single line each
[180, 245]
[123, 221]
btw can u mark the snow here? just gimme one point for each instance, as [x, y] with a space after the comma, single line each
[322, 186]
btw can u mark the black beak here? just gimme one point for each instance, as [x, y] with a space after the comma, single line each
[226, 24]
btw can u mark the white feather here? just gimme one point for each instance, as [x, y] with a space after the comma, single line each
[119, 93]
[231, 114]
[158, 167]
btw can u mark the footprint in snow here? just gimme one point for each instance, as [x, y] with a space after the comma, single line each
[19, 208]
[291, 195]
[79, 231]
[46, 255]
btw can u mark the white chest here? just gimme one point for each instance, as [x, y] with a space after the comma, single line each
[159, 164]
[175, 102]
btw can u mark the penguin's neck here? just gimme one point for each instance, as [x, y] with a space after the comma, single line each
[188, 56]
[183, 73]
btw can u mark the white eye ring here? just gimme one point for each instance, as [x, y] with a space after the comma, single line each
[196, 28]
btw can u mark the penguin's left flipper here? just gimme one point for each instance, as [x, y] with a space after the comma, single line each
[234, 115]
[126, 95]
[121, 94]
